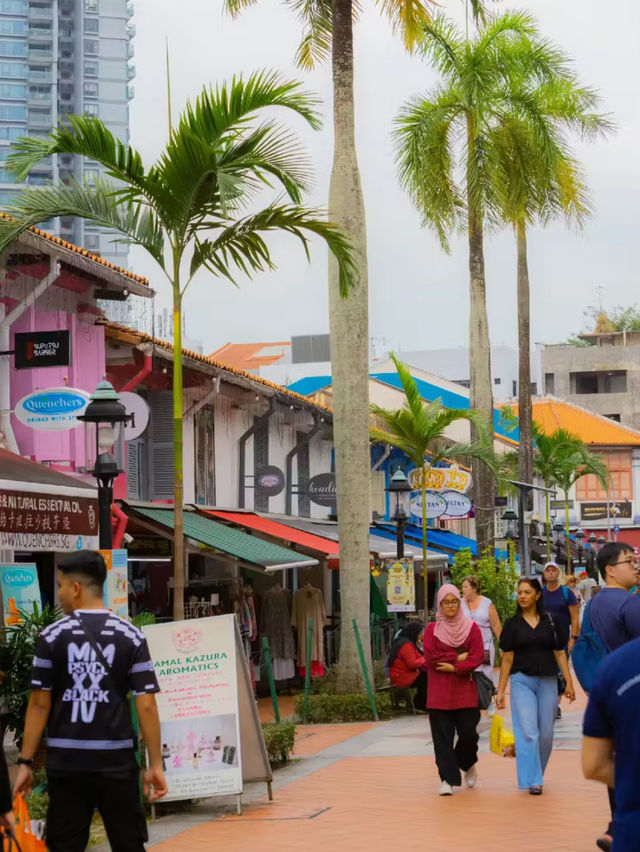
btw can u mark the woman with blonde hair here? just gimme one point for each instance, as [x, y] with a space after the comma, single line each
[482, 611]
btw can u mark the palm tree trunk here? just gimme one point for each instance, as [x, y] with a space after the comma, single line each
[425, 578]
[548, 520]
[567, 540]
[178, 535]
[525, 443]
[349, 327]
[481, 395]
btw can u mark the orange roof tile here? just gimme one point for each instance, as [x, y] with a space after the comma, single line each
[247, 356]
[78, 250]
[594, 429]
[122, 332]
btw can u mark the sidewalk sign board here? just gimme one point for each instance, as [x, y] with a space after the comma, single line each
[212, 741]
[20, 590]
[116, 597]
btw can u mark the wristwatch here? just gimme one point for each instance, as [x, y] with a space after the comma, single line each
[24, 761]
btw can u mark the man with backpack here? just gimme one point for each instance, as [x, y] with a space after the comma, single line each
[84, 668]
[563, 607]
[611, 619]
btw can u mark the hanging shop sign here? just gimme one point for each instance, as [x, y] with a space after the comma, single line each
[150, 546]
[20, 591]
[116, 597]
[52, 410]
[269, 481]
[555, 505]
[401, 585]
[33, 521]
[441, 478]
[35, 349]
[597, 511]
[138, 406]
[322, 489]
[445, 505]
[211, 736]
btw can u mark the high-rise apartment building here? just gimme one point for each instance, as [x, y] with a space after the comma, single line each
[59, 57]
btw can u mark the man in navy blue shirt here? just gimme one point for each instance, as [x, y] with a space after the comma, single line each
[611, 745]
[563, 607]
[615, 617]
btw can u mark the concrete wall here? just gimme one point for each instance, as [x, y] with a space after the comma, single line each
[562, 360]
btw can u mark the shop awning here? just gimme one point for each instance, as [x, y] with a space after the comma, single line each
[18, 473]
[226, 539]
[440, 539]
[324, 546]
[379, 545]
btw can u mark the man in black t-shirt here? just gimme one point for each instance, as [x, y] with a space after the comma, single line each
[84, 668]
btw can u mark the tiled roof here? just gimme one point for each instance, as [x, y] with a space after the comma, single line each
[121, 332]
[594, 429]
[249, 356]
[78, 250]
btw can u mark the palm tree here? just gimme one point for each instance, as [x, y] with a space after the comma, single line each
[455, 125]
[419, 430]
[328, 31]
[189, 209]
[541, 181]
[561, 459]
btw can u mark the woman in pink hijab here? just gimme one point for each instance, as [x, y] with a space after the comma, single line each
[453, 648]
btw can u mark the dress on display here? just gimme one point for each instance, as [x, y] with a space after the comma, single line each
[276, 626]
[308, 602]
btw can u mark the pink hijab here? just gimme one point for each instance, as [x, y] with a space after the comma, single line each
[451, 631]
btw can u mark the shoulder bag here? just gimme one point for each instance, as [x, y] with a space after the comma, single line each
[486, 689]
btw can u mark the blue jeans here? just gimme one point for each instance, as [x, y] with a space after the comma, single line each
[533, 711]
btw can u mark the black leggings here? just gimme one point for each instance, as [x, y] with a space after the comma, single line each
[450, 759]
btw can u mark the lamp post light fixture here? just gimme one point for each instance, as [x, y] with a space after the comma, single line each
[105, 417]
[592, 556]
[511, 519]
[400, 488]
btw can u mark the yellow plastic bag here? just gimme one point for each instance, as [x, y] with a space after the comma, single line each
[501, 741]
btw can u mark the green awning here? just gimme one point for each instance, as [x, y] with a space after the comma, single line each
[229, 540]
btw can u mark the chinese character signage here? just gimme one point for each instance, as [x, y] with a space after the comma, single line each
[401, 585]
[20, 591]
[35, 521]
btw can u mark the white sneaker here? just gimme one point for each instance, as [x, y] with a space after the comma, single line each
[471, 776]
[446, 789]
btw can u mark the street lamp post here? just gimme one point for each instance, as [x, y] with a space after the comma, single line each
[105, 416]
[592, 556]
[579, 546]
[558, 529]
[400, 488]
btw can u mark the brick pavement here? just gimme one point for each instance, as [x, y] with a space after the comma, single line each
[376, 790]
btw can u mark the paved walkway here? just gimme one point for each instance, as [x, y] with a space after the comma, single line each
[374, 787]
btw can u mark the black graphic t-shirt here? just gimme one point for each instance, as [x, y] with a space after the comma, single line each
[89, 727]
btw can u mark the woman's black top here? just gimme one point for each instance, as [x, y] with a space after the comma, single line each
[532, 647]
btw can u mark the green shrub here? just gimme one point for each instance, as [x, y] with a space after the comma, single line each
[498, 578]
[279, 738]
[353, 707]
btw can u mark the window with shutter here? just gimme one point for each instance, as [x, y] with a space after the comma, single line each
[260, 460]
[133, 470]
[205, 457]
[161, 445]
[304, 504]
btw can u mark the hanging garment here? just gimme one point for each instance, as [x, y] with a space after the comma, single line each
[283, 669]
[308, 602]
[276, 624]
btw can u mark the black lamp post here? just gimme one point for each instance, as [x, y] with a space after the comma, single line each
[592, 555]
[401, 489]
[558, 529]
[107, 415]
[511, 518]
[579, 546]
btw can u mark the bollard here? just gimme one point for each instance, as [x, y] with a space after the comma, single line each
[307, 673]
[272, 684]
[365, 673]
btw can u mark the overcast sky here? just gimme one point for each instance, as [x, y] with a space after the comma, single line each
[418, 294]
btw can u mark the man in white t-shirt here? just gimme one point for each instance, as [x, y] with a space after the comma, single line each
[585, 586]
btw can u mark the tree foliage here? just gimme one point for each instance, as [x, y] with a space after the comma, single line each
[498, 577]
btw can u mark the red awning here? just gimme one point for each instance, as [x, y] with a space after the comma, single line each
[325, 546]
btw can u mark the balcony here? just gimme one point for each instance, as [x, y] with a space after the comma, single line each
[131, 92]
[38, 99]
[40, 74]
[42, 120]
[40, 13]
[40, 55]
[40, 35]
[130, 10]
[131, 71]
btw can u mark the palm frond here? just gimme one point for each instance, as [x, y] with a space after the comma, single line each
[408, 19]
[136, 222]
[316, 18]
[240, 245]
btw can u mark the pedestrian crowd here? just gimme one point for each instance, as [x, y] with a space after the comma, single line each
[444, 660]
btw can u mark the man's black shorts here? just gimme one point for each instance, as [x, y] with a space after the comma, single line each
[73, 799]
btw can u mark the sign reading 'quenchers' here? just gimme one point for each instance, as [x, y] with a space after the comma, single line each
[53, 409]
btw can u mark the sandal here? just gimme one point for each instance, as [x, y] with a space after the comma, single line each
[535, 791]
